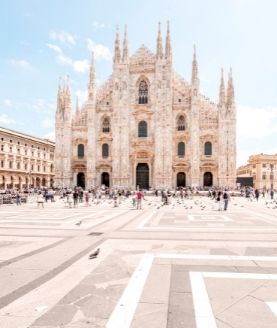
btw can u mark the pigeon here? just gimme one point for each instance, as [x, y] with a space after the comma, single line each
[78, 223]
[94, 254]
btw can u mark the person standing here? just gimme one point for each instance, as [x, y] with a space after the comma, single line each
[219, 200]
[139, 197]
[272, 194]
[226, 198]
[257, 194]
[75, 198]
[40, 200]
[18, 199]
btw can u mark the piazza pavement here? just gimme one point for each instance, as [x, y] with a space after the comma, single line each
[185, 264]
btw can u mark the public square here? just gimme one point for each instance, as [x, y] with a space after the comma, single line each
[185, 264]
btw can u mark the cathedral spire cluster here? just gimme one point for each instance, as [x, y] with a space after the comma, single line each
[64, 94]
[226, 98]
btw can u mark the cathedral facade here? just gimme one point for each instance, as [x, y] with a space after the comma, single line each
[146, 127]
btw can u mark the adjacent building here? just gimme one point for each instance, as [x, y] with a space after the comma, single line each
[25, 161]
[146, 126]
[263, 170]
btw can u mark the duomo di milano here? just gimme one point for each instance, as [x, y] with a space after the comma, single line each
[146, 126]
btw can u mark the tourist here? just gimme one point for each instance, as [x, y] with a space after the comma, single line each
[226, 198]
[40, 200]
[257, 194]
[75, 198]
[18, 198]
[139, 196]
[219, 200]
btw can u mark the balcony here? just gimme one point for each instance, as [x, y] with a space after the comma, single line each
[142, 141]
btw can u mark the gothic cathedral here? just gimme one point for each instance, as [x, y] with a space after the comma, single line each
[146, 126]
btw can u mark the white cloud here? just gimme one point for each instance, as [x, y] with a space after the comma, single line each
[21, 63]
[50, 136]
[100, 51]
[79, 66]
[4, 119]
[97, 25]
[54, 47]
[7, 103]
[254, 122]
[63, 37]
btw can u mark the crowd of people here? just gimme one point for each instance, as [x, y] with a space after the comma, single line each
[74, 197]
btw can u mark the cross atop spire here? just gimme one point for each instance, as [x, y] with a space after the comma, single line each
[159, 53]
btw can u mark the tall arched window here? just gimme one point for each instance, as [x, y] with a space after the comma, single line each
[81, 150]
[208, 148]
[106, 125]
[181, 149]
[105, 150]
[143, 92]
[181, 123]
[142, 129]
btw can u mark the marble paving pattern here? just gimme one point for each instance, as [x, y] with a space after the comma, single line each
[181, 265]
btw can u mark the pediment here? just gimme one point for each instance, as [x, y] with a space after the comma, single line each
[143, 53]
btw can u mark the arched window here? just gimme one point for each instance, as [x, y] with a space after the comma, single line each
[106, 125]
[208, 148]
[181, 149]
[142, 129]
[143, 92]
[81, 150]
[181, 123]
[105, 150]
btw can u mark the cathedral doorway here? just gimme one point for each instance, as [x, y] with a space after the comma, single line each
[208, 179]
[142, 176]
[105, 179]
[81, 182]
[181, 179]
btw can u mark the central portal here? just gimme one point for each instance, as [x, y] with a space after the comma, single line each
[81, 180]
[142, 176]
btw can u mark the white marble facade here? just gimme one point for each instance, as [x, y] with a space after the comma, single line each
[146, 126]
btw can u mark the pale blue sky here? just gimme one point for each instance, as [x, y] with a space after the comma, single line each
[42, 40]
